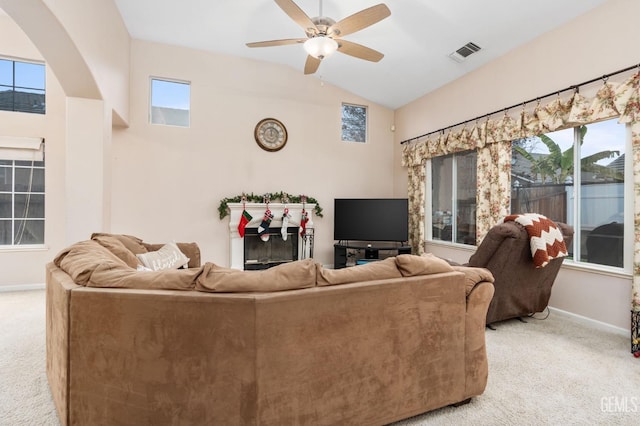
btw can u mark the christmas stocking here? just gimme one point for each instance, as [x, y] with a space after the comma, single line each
[244, 220]
[285, 224]
[263, 229]
[303, 223]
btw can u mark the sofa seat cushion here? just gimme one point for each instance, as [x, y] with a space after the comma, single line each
[288, 276]
[380, 270]
[411, 265]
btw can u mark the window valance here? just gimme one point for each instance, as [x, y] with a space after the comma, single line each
[611, 100]
[21, 148]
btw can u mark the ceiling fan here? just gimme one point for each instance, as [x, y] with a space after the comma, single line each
[324, 35]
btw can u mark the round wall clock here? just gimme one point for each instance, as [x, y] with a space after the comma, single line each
[270, 134]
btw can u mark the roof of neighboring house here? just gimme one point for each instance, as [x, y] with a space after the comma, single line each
[617, 164]
[11, 100]
[170, 116]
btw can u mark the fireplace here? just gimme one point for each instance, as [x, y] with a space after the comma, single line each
[251, 253]
[259, 254]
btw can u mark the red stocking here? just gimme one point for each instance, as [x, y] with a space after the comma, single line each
[303, 223]
[244, 220]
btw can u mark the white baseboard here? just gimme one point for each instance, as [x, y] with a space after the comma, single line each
[594, 323]
[21, 287]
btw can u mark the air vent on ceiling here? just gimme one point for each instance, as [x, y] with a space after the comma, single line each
[464, 52]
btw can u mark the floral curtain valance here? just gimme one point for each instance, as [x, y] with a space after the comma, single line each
[612, 100]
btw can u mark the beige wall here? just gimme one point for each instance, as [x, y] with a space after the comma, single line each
[168, 181]
[98, 32]
[599, 42]
[21, 266]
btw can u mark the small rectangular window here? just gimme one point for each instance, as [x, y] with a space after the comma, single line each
[22, 86]
[354, 123]
[170, 102]
[22, 191]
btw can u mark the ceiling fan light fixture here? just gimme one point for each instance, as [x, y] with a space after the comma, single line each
[320, 47]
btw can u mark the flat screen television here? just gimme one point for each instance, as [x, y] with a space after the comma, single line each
[371, 219]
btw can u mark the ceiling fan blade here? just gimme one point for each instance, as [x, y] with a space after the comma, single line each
[359, 51]
[311, 65]
[298, 15]
[282, 42]
[359, 20]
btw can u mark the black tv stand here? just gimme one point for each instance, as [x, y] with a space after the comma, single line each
[371, 251]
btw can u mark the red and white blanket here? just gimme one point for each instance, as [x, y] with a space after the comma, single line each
[546, 240]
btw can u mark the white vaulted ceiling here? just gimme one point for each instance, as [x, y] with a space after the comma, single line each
[416, 39]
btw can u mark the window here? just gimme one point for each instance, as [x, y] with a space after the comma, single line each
[591, 197]
[170, 102]
[354, 123]
[22, 86]
[21, 201]
[453, 198]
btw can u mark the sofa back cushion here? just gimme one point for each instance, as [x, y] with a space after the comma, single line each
[473, 276]
[115, 246]
[107, 276]
[288, 276]
[133, 244]
[90, 264]
[81, 259]
[379, 270]
[411, 265]
[136, 246]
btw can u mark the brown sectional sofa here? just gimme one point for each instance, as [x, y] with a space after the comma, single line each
[369, 345]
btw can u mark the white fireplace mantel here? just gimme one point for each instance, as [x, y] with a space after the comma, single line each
[257, 210]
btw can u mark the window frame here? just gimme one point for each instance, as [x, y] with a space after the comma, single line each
[628, 214]
[365, 125]
[151, 106]
[628, 207]
[33, 90]
[428, 231]
[15, 221]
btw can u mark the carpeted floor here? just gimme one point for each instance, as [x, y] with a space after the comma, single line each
[558, 371]
[25, 398]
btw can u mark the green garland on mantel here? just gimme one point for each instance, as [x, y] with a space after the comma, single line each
[274, 197]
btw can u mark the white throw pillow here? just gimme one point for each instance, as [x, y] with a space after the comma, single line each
[168, 256]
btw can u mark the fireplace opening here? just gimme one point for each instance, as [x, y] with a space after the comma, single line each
[260, 254]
